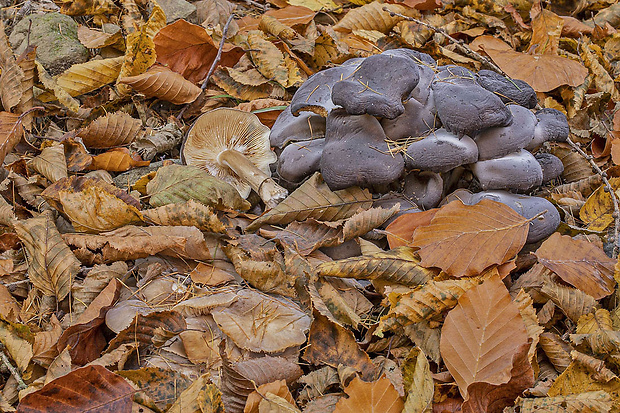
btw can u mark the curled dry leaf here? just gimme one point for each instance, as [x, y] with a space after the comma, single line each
[374, 397]
[117, 160]
[314, 199]
[157, 388]
[51, 163]
[142, 329]
[93, 205]
[12, 75]
[87, 388]
[188, 399]
[11, 132]
[459, 237]
[96, 280]
[268, 59]
[63, 97]
[262, 323]
[26, 62]
[598, 209]
[163, 83]
[373, 17]
[587, 402]
[113, 129]
[52, 265]
[223, 77]
[418, 382]
[97, 39]
[177, 183]
[400, 266]
[596, 329]
[190, 213]
[278, 388]
[188, 49]
[573, 302]
[579, 263]
[482, 336]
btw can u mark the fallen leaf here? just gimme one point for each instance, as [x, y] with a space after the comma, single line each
[144, 329]
[11, 132]
[113, 129]
[51, 163]
[12, 75]
[596, 329]
[188, 399]
[373, 397]
[117, 160]
[163, 83]
[158, 388]
[587, 402]
[373, 17]
[278, 388]
[267, 58]
[418, 382]
[400, 231]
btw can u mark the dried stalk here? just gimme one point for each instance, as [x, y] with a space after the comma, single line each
[608, 188]
[5, 360]
[460, 45]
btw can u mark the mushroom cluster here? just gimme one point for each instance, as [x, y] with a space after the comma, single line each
[373, 121]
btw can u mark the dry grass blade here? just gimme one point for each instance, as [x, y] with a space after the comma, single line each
[314, 199]
[464, 240]
[164, 84]
[113, 129]
[53, 266]
[579, 263]
[400, 266]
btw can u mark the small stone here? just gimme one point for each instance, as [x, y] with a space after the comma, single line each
[176, 9]
[55, 36]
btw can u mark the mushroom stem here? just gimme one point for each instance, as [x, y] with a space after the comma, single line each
[269, 191]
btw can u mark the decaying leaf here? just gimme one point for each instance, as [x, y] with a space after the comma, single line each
[113, 129]
[373, 17]
[587, 402]
[418, 382]
[163, 83]
[51, 163]
[378, 396]
[190, 213]
[10, 132]
[598, 209]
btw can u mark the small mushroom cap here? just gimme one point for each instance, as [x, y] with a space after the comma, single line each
[417, 120]
[356, 153]
[315, 95]
[528, 207]
[222, 129]
[289, 128]
[424, 188]
[455, 75]
[551, 165]
[378, 87]
[552, 126]
[518, 171]
[509, 90]
[502, 140]
[465, 108]
[300, 160]
[441, 151]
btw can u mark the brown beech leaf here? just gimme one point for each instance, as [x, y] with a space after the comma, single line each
[98, 278]
[597, 330]
[190, 213]
[332, 344]
[11, 132]
[223, 77]
[268, 59]
[374, 397]
[162, 83]
[210, 400]
[117, 160]
[143, 329]
[400, 266]
[188, 399]
[9, 309]
[314, 199]
[52, 266]
[463, 240]
[310, 235]
[158, 388]
[262, 323]
[579, 263]
[573, 302]
[373, 17]
[51, 163]
[482, 337]
[189, 50]
[44, 349]
[26, 61]
[93, 205]
[12, 75]
[86, 389]
[278, 387]
[586, 402]
[113, 129]
[97, 39]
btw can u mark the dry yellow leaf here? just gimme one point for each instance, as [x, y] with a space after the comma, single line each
[267, 58]
[316, 5]
[61, 94]
[26, 62]
[599, 207]
[418, 383]
[51, 163]
[190, 213]
[373, 17]
[162, 83]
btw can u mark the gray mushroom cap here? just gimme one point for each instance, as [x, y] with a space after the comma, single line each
[424, 188]
[518, 171]
[441, 151]
[387, 201]
[378, 86]
[455, 75]
[288, 128]
[419, 57]
[417, 120]
[465, 107]
[502, 140]
[551, 165]
[355, 152]
[509, 90]
[423, 92]
[552, 126]
[528, 207]
[300, 160]
[315, 94]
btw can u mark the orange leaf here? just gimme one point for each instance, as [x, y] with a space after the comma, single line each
[400, 231]
[162, 83]
[116, 160]
[289, 15]
[482, 338]
[189, 50]
[579, 263]
[10, 133]
[376, 397]
[464, 240]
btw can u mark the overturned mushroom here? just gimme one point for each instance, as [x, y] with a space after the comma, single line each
[518, 171]
[424, 188]
[502, 140]
[509, 90]
[465, 107]
[289, 128]
[417, 120]
[355, 153]
[300, 160]
[552, 166]
[441, 151]
[234, 147]
[315, 95]
[552, 126]
[378, 86]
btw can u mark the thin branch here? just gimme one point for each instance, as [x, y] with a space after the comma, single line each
[608, 188]
[5, 360]
[460, 45]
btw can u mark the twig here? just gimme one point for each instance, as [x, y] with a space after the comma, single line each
[5, 360]
[608, 188]
[216, 61]
[458, 43]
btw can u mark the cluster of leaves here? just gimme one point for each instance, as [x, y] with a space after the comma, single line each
[155, 288]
